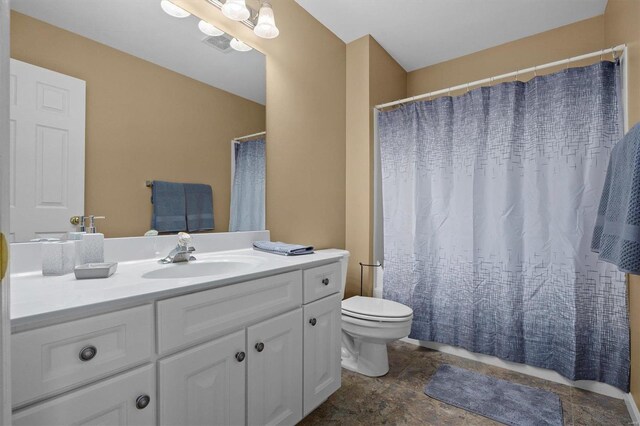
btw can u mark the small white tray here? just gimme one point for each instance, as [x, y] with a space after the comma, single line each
[95, 270]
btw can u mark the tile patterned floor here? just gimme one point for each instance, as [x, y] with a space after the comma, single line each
[398, 399]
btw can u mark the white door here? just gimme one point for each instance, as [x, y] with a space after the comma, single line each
[205, 385]
[47, 138]
[5, 331]
[274, 349]
[321, 360]
[127, 399]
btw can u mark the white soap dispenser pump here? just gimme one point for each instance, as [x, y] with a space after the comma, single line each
[93, 242]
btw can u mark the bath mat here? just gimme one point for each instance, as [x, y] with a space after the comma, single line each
[499, 400]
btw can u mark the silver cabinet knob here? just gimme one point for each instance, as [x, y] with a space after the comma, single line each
[142, 401]
[240, 356]
[259, 347]
[87, 353]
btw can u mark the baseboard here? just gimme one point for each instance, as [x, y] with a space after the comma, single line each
[541, 373]
[633, 408]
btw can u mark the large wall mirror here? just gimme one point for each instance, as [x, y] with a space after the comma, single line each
[108, 95]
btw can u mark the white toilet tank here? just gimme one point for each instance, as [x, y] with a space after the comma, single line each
[344, 262]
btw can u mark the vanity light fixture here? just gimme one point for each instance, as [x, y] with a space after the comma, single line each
[266, 26]
[262, 22]
[209, 29]
[239, 45]
[173, 10]
[236, 10]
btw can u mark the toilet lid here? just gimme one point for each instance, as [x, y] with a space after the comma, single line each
[375, 308]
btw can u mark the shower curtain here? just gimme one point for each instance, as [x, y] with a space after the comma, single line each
[248, 187]
[489, 203]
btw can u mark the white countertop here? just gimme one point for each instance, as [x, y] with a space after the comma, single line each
[38, 300]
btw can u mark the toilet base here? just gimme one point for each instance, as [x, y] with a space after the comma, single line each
[367, 358]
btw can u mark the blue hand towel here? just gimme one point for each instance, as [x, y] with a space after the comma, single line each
[199, 207]
[616, 236]
[283, 249]
[169, 212]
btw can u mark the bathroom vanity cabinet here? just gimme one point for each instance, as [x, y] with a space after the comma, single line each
[261, 352]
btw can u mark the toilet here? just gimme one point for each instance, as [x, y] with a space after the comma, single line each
[368, 324]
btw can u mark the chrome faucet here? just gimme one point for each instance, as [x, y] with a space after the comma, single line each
[182, 252]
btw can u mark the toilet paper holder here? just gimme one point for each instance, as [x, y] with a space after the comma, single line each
[366, 265]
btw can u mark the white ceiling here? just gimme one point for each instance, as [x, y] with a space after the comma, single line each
[142, 29]
[418, 33]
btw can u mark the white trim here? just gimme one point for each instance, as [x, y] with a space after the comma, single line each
[515, 74]
[633, 408]
[541, 373]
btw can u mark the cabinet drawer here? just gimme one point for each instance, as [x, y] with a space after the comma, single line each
[321, 281]
[49, 359]
[109, 402]
[199, 316]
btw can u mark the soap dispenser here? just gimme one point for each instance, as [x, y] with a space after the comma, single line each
[93, 243]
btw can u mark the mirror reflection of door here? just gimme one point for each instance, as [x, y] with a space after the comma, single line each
[163, 100]
[47, 137]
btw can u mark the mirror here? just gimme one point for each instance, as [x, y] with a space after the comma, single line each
[107, 95]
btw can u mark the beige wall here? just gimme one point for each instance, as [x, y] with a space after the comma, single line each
[373, 77]
[306, 89]
[622, 25]
[571, 40]
[143, 122]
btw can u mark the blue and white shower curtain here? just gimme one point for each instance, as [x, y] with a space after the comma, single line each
[489, 201]
[248, 187]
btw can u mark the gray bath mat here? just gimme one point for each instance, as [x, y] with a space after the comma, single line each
[496, 399]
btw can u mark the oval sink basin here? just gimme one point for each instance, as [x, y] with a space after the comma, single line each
[203, 268]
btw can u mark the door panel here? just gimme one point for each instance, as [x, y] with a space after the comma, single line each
[275, 370]
[205, 385]
[321, 360]
[47, 146]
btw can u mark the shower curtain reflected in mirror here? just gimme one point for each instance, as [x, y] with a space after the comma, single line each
[489, 204]
[248, 186]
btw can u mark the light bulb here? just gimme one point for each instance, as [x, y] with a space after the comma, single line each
[173, 10]
[209, 29]
[236, 10]
[266, 26]
[240, 46]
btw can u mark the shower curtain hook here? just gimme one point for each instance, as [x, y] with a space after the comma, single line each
[449, 92]
[516, 77]
[535, 71]
[467, 87]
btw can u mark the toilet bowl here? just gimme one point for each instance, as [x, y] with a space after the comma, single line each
[368, 324]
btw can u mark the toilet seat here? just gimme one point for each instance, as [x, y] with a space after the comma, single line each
[374, 309]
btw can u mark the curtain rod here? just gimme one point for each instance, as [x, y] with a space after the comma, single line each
[503, 76]
[249, 136]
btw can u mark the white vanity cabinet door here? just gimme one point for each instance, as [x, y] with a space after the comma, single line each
[321, 281]
[205, 385]
[322, 345]
[208, 314]
[55, 358]
[275, 370]
[118, 401]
